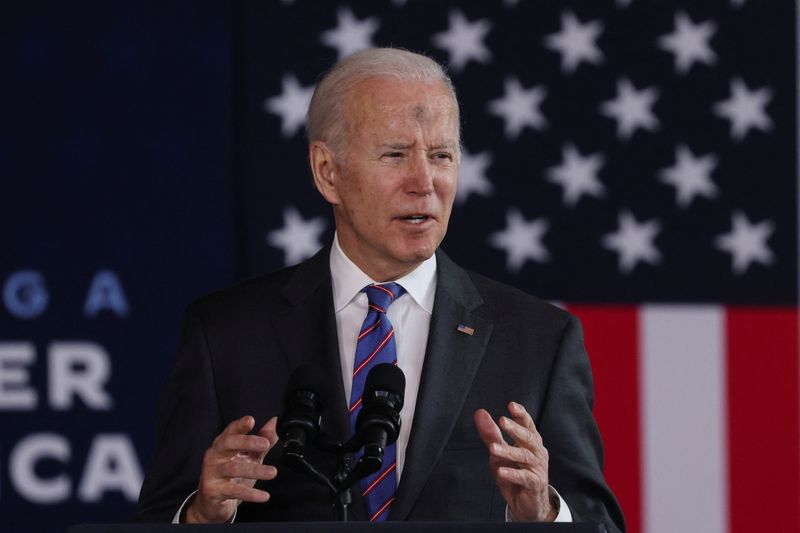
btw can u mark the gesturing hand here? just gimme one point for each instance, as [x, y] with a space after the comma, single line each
[230, 469]
[520, 470]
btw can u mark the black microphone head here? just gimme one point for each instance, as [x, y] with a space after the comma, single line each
[305, 399]
[312, 378]
[378, 422]
[388, 378]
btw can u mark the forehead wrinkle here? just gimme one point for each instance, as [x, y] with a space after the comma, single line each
[367, 105]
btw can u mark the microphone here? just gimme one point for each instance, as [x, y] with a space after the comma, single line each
[378, 422]
[305, 399]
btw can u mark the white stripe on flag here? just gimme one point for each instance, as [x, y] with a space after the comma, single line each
[684, 419]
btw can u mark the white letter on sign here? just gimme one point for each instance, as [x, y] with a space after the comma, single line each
[112, 466]
[22, 468]
[78, 369]
[14, 376]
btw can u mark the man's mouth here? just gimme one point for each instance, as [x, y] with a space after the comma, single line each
[415, 219]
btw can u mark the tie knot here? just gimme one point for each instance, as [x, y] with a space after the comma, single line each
[382, 296]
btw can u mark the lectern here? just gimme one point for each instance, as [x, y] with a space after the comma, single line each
[343, 527]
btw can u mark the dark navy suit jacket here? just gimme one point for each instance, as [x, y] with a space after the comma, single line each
[240, 345]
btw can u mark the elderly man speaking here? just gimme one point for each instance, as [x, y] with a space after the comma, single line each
[384, 148]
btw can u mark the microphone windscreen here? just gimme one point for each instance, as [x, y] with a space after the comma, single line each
[385, 377]
[309, 377]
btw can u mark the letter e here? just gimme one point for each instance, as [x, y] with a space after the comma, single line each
[14, 376]
[78, 369]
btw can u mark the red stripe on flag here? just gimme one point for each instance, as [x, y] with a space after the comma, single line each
[612, 340]
[763, 419]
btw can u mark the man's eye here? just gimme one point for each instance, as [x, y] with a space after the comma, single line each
[443, 155]
[393, 154]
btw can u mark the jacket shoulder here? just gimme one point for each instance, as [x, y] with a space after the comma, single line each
[502, 299]
[263, 293]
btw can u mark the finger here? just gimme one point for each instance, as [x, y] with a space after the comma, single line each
[230, 490]
[249, 471]
[269, 432]
[522, 436]
[487, 429]
[514, 456]
[242, 443]
[521, 416]
[521, 477]
[241, 426]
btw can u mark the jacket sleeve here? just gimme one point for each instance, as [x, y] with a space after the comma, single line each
[188, 419]
[571, 436]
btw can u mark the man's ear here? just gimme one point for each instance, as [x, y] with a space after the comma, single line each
[323, 167]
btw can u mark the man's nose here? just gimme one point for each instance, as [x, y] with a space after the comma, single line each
[420, 175]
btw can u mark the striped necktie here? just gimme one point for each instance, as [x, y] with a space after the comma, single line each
[376, 345]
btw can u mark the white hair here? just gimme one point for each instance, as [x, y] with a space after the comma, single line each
[326, 111]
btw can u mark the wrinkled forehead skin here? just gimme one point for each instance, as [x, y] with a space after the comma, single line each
[391, 105]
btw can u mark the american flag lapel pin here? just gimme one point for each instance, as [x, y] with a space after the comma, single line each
[465, 329]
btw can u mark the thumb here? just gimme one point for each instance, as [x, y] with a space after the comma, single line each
[487, 429]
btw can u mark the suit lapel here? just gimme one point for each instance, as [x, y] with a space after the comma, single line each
[307, 334]
[451, 360]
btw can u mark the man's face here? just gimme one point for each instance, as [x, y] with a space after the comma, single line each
[393, 182]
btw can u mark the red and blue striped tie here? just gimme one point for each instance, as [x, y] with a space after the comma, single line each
[376, 345]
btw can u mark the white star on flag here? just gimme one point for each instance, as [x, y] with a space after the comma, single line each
[576, 42]
[519, 107]
[298, 238]
[689, 42]
[746, 242]
[631, 108]
[291, 105]
[351, 34]
[745, 109]
[633, 241]
[577, 174]
[463, 40]
[691, 176]
[521, 240]
[472, 176]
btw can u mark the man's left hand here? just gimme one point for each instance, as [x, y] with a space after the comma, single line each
[519, 469]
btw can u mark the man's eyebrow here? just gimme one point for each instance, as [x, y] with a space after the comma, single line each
[396, 145]
[404, 146]
[444, 145]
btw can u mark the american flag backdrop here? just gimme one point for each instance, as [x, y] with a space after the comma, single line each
[633, 160]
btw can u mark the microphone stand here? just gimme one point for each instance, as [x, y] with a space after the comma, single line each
[340, 486]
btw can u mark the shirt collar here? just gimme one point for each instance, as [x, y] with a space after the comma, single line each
[348, 280]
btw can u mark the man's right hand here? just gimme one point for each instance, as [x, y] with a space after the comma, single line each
[231, 467]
